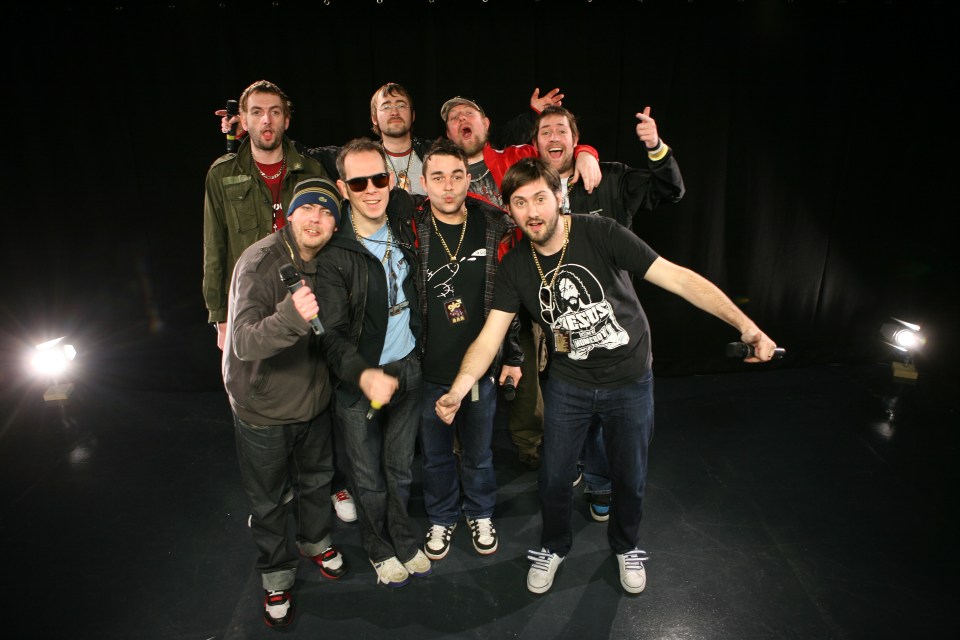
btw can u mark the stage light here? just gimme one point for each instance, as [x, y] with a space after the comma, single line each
[906, 338]
[52, 360]
[903, 336]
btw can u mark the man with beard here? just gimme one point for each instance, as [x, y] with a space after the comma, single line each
[246, 192]
[279, 390]
[392, 116]
[601, 365]
[624, 191]
[468, 126]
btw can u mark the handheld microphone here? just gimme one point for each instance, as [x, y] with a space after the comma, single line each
[509, 389]
[743, 350]
[290, 277]
[233, 108]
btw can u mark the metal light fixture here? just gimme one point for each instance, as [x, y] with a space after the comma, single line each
[907, 339]
[52, 360]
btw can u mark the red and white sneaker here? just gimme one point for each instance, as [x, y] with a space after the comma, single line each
[277, 608]
[344, 505]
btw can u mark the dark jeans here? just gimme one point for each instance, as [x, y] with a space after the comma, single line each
[625, 415]
[596, 469]
[269, 456]
[526, 409]
[381, 452]
[441, 482]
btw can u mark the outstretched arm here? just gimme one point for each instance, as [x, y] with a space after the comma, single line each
[705, 295]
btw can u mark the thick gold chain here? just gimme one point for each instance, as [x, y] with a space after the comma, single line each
[463, 233]
[566, 241]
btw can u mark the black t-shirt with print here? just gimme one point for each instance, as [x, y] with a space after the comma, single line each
[592, 301]
[454, 297]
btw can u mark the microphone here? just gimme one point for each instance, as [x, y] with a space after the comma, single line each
[233, 108]
[374, 407]
[509, 389]
[743, 350]
[290, 277]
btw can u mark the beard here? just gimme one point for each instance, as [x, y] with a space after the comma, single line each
[257, 141]
[474, 145]
[395, 130]
[546, 233]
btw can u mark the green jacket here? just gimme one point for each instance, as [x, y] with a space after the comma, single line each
[238, 211]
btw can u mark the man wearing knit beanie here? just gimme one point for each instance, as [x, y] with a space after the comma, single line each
[279, 389]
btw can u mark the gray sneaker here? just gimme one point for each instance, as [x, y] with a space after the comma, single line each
[419, 565]
[390, 572]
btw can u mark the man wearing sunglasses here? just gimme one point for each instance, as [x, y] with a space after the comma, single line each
[367, 282]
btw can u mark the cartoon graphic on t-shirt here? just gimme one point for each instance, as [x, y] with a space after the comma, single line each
[576, 306]
[446, 273]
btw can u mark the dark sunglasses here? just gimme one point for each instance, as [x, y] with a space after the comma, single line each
[380, 180]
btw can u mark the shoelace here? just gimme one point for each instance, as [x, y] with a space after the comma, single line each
[483, 527]
[276, 598]
[540, 559]
[342, 495]
[439, 531]
[633, 560]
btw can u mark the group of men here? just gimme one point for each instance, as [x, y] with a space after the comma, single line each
[396, 283]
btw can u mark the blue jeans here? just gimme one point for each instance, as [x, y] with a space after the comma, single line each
[625, 415]
[441, 484]
[269, 456]
[596, 469]
[380, 453]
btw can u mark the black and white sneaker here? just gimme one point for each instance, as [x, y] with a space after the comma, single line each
[484, 535]
[437, 543]
[277, 608]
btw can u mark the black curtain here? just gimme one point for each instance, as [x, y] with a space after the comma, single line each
[816, 140]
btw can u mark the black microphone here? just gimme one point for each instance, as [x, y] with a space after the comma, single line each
[233, 108]
[290, 277]
[509, 389]
[743, 350]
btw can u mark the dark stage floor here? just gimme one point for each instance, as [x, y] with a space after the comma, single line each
[781, 504]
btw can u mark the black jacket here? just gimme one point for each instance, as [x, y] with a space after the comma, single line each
[625, 190]
[352, 289]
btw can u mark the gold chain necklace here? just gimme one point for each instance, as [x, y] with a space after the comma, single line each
[566, 241]
[283, 165]
[463, 233]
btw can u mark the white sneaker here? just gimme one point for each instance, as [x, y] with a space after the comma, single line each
[344, 505]
[419, 565]
[542, 571]
[390, 572]
[633, 577]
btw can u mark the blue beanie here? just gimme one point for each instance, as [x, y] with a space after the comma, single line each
[317, 191]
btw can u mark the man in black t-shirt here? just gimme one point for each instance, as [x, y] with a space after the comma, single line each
[460, 241]
[572, 273]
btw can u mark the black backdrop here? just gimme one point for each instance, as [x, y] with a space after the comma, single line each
[815, 138]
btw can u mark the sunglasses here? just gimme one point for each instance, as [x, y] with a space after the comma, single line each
[379, 180]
